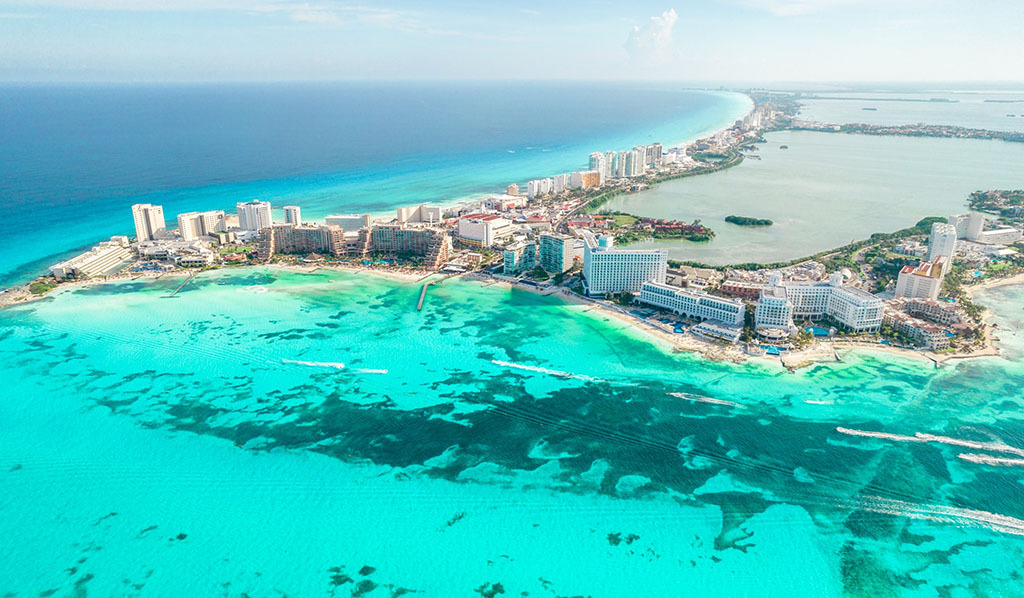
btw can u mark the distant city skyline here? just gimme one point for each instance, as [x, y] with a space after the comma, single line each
[721, 40]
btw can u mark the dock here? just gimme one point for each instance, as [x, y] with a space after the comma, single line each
[423, 295]
[188, 280]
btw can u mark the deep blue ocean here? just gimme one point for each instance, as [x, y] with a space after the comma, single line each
[74, 158]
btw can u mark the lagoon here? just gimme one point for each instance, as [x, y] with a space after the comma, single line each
[973, 109]
[825, 190]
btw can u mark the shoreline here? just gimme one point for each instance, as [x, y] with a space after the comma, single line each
[710, 130]
[820, 352]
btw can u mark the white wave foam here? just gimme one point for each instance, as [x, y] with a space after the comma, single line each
[540, 370]
[944, 514]
[256, 288]
[998, 447]
[816, 402]
[991, 459]
[370, 371]
[318, 364]
[700, 399]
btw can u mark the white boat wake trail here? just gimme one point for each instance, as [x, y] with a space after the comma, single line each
[943, 514]
[998, 447]
[700, 399]
[991, 459]
[317, 364]
[540, 370]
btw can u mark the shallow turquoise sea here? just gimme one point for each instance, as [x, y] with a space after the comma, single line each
[270, 433]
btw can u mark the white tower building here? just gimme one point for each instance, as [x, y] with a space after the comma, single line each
[942, 243]
[254, 215]
[293, 215]
[149, 221]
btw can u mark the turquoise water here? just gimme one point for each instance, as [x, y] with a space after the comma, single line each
[826, 190]
[275, 433]
[970, 109]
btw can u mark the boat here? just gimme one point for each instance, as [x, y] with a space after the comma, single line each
[783, 147]
[871, 109]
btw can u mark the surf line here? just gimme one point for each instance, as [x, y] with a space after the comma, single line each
[998, 447]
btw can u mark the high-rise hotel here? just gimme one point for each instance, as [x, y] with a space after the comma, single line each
[149, 221]
[610, 270]
[254, 215]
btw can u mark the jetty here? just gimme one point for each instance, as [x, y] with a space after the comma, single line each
[192, 275]
[423, 295]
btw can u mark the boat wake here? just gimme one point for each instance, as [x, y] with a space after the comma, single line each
[540, 370]
[318, 364]
[943, 514]
[998, 447]
[700, 399]
[991, 459]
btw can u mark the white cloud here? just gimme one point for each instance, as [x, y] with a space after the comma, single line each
[652, 42]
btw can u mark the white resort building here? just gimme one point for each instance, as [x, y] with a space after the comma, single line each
[149, 221]
[254, 215]
[98, 260]
[610, 270]
[692, 304]
[853, 308]
[922, 281]
[349, 222]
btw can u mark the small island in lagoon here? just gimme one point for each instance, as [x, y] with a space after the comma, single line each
[747, 221]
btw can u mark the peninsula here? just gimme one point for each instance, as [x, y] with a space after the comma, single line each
[906, 291]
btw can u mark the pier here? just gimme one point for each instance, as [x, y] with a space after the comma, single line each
[189, 279]
[423, 295]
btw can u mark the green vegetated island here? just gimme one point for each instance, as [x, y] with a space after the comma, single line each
[748, 221]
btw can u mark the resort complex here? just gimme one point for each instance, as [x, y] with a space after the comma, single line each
[549, 234]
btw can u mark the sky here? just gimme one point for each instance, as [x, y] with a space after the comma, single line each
[747, 41]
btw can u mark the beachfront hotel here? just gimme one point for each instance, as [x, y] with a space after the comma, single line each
[192, 225]
[254, 215]
[149, 221]
[610, 270]
[922, 281]
[484, 230]
[692, 304]
[971, 227]
[433, 244]
[348, 222]
[520, 257]
[420, 213]
[293, 215]
[556, 252]
[942, 244]
[782, 301]
[98, 260]
[289, 238]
